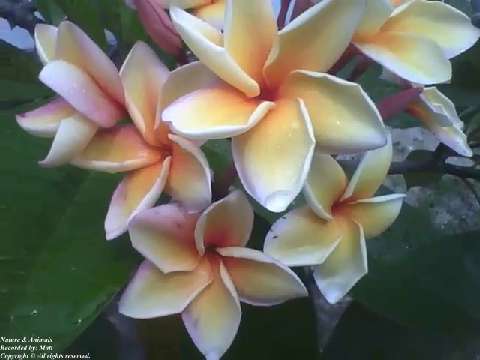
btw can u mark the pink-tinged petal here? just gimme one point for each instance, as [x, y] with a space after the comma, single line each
[301, 238]
[190, 177]
[242, 20]
[158, 25]
[325, 184]
[375, 215]
[376, 15]
[344, 118]
[273, 158]
[164, 235]
[206, 42]
[45, 120]
[370, 173]
[315, 40]
[416, 59]
[259, 279]
[344, 266]
[82, 92]
[138, 191]
[152, 293]
[194, 117]
[72, 137]
[227, 222]
[213, 317]
[45, 41]
[143, 76]
[75, 47]
[448, 27]
[117, 150]
[213, 13]
[186, 79]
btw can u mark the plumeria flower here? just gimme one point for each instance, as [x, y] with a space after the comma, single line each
[438, 114]
[154, 159]
[269, 99]
[89, 86]
[197, 265]
[415, 39]
[329, 234]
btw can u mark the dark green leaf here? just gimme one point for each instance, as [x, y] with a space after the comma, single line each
[50, 11]
[419, 277]
[363, 335]
[86, 14]
[56, 269]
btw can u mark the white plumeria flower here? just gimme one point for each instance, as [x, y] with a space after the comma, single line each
[198, 266]
[329, 234]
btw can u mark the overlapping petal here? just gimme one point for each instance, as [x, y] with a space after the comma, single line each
[227, 222]
[195, 117]
[325, 184]
[343, 116]
[213, 14]
[345, 266]
[190, 177]
[116, 150]
[184, 80]
[164, 235]
[242, 20]
[301, 238]
[414, 58]
[138, 191]
[143, 76]
[213, 317]
[448, 27]
[72, 137]
[82, 92]
[152, 293]
[206, 43]
[76, 48]
[438, 114]
[45, 37]
[370, 173]
[259, 279]
[275, 180]
[45, 120]
[375, 16]
[315, 40]
[375, 215]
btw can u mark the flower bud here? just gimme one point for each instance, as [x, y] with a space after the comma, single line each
[158, 25]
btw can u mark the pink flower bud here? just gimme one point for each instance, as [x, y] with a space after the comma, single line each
[158, 25]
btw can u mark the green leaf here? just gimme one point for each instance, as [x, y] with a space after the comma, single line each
[464, 88]
[50, 11]
[364, 335]
[420, 277]
[86, 14]
[57, 271]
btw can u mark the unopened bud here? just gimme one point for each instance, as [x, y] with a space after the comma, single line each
[158, 25]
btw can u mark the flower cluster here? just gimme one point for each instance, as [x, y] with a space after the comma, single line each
[273, 93]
